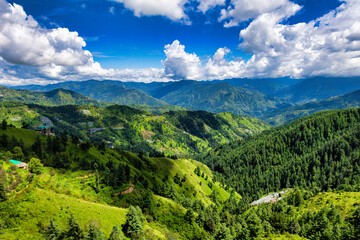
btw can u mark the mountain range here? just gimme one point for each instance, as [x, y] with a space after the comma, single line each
[212, 97]
[53, 97]
[278, 117]
[276, 100]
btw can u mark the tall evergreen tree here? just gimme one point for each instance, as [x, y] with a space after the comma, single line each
[75, 232]
[3, 196]
[116, 234]
[134, 225]
[52, 232]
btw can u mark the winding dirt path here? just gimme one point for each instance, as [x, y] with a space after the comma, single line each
[130, 190]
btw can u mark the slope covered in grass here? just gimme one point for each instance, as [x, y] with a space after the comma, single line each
[175, 133]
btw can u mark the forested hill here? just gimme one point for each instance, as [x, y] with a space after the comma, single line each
[181, 133]
[54, 97]
[319, 152]
[103, 91]
[278, 117]
[84, 189]
[220, 97]
[206, 96]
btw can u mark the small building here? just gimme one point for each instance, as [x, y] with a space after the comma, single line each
[19, 164]
[45, 129]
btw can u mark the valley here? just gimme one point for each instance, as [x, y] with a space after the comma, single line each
[151, 170]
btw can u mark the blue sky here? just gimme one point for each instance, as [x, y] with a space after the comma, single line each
[217, 39]
[122, 40]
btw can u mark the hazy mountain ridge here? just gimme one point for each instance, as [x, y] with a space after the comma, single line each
[102, 91]
[278, 117]
[54, 97]
[207, 96]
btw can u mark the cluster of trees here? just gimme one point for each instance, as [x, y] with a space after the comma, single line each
[133, 228]
[320, 152]
[76, 232]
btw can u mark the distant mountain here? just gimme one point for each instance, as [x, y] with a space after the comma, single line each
[207, 96]
[278, 117]
[268, 86]
[218, 97]
[54, 97]
[318, 88]
[103, 91]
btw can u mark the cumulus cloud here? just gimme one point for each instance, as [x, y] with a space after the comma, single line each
[173, 9]
[180, 64]
[205, 5]
[23, 41]
[243, 10]
[30, 54]
[329, 45]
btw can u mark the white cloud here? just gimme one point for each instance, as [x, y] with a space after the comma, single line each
[112, 10]
[30, 54]
[326, 46]
[329, 45]
[205, 5]
[23, 41]
[243, 10]
[219, 68]
[180, 64]
[173, 9]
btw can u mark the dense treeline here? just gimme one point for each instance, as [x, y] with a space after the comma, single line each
[320, 152]
[177, 133]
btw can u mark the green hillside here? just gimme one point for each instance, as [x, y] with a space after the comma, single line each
[104, 92]
[98, 185]
[221, 97]
[319, 152]
[86, 188]
[278, 117]
[206, 96]
[159, 109]
[171, 133]
[318, 88]
[54, 97]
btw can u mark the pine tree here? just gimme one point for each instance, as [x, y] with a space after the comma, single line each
[3, 196]
[134, 225]
[52, 232]
[4, 125]
[75, 232]
[116, 234]
[223, 233]
[189, 216]
[95, 233]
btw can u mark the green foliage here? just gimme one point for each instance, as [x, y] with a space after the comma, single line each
[35, 166]
[317, 152]
[54, 97]
[95, 233]
[134, 225]
[278, 117]
[52, 232]
[115, 234]
[223, 233]
[172, 134]
[4, 125]
[3, 196]
[74, 232]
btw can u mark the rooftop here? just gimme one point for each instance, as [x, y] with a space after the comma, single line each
[15, 161]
